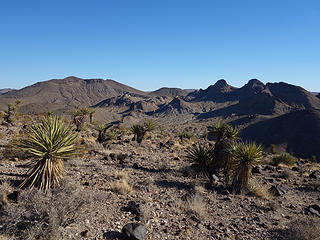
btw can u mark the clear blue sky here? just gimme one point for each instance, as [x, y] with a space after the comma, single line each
[154, 43]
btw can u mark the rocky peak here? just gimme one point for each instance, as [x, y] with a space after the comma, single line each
[221, 84]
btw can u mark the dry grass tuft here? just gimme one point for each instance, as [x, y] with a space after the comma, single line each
[195, 205]
[259, 190]
[121, 187]
[122, 175]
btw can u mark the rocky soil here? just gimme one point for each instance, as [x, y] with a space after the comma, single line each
[153, 184]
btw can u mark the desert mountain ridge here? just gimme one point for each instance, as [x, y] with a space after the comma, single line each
[253, 106]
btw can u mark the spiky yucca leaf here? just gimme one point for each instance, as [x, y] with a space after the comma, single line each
[246, 155]
[149, 125]
[222, 131]
[201, 156]
[48, 143]
[139, 131]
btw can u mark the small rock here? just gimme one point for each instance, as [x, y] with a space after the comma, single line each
[256, 170]
[121, 157]
[314, 175]
[296, 169]
[85, 234]
[112, 156]
[134, 231]
[215, 179]
[313, 209]
[13, 196]
[276, 191]
[132, 207]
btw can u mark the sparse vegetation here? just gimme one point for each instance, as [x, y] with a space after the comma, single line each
[246, 155]
[259, 190]
[37, 215]
[139, 131]
[79, 115]
[11, 113]
[185, 135]
[196, 205]
[273, 149]
[201, 156]
[284, 158]
[48, 143]
[223, 154]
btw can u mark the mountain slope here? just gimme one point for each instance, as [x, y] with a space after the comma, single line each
[296, 132]
[256, 98]
[169, 92]
[58, 94]
[5, 90]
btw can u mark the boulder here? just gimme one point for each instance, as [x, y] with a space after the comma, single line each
[134, 231]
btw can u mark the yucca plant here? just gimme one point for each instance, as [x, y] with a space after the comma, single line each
[149, 125]
[139, 132]
[49, 143]
[246, 155]
[201, 157]
[223, 154]
[91, 113]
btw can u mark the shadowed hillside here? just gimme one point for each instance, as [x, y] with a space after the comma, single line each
[296, 132]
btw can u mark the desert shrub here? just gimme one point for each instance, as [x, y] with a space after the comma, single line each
[185, 135]
[246, 155]
[122, 129]
[121, 187]
[42, 216]
[79, 115]
[273, 149]
[313, 158]
[304, 228]
[284, 158]
[11, 113]
[12, 151]
[113, 134]
[48, 143]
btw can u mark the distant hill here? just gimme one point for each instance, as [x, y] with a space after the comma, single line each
[296, 132]
[169, 92]
[61, 94]
[5, 90]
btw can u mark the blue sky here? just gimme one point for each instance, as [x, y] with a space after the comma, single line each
[154, 43]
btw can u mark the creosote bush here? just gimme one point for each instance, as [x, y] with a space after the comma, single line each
[48, 143]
